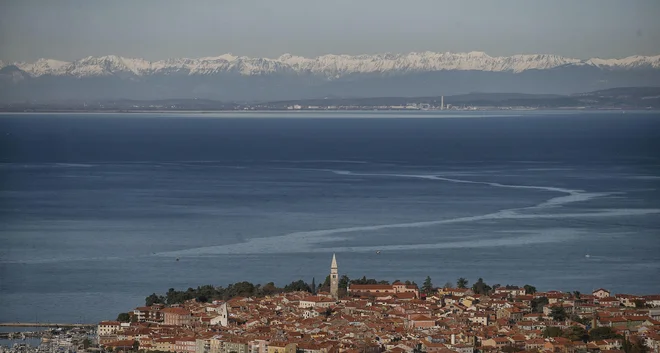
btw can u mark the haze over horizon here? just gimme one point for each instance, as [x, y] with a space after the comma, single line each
[73, 29]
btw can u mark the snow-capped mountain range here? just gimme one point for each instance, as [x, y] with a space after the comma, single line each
[330, 66]
[288, 77]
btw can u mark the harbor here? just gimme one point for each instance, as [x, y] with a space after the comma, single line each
[46, 337]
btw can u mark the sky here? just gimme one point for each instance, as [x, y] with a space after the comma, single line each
[162, 29]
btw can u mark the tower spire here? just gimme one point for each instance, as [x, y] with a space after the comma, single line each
[334, 279]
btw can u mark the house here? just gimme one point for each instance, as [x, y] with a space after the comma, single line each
[534, 344]
[235, 345]
[164, 344]
[513, 313]
[120, 345]
[479, 318]
[315, 302]
[496, 342]
[149, 313]
[652, 300]
[433, 347]
[106, 328]
[176, 316]
[609, 302]
[185, 345]
[376, 289]
[419, 321]
[510, 291]
[601, 293]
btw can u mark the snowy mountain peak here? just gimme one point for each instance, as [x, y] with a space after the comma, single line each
[330, 65]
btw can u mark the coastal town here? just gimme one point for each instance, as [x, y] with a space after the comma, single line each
[398, 317]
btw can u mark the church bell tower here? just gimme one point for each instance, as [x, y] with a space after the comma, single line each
[334, 279]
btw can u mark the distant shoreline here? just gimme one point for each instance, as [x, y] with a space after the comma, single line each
[412, 111]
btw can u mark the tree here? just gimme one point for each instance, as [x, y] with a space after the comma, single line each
[538, 304]
[480, 287]
[558, 313]
[583, 320]
[427, 287]
[602, 333]
[448, 285]
[576, 333]
[296, 286]
[344, 281]
[154, 299]
[529, 289]
[408, 283]
[552, 331]
[461, 282]
[269, 289]
[639, 303]
[86, 343]
[313, 285]
[136, 346]
[123, 317]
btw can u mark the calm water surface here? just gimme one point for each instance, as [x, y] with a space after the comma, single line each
[96, 208]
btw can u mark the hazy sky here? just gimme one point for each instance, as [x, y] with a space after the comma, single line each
[160, 29]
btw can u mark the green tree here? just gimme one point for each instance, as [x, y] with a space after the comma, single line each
[241, 289]
[576, 333]
[583, 320]
[313, 285]
[529, 289]
[154, 299]
[427, 286]
[461, 282]
[558, 313]
[448, 285]
[86, 343]
[296, 286]
[269, 289]
[480, 287]
[602, 333]
[136, 346]
[344, 281]
[124, 317]
[538, 304]
[639, 303]
[552, 331]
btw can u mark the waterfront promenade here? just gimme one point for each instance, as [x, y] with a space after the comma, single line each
[43, 324]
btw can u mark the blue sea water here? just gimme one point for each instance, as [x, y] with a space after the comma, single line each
[96, 208]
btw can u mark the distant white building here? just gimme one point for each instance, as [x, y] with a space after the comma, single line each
[601, 293]
[223, 318]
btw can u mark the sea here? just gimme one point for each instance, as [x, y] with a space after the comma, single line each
[97, 211]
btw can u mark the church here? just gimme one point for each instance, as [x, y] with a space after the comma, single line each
[334, 279]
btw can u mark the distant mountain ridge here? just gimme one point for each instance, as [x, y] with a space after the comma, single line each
[331, 66]
[239, 78]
